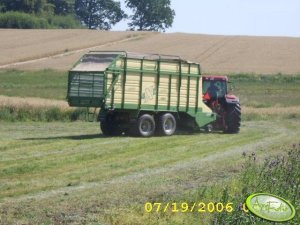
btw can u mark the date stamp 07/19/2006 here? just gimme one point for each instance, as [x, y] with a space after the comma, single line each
[185, 207]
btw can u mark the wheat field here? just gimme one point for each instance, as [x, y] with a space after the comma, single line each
[60, 49]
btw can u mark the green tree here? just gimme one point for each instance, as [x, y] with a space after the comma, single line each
[100, 14]
[154, 15]
[61, 7]
[27, 6]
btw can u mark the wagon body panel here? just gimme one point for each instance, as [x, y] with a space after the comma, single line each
[137, 82]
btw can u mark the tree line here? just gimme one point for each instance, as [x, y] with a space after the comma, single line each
[152, 15]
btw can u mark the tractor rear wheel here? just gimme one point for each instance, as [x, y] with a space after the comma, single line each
[167, 124]
[233, 118]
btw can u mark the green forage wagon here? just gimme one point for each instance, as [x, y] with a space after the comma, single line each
[143, 94]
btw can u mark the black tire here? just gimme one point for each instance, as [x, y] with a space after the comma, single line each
[105, 129]
[166, 124]
[233, 118]
[109, 127]
[144, 127]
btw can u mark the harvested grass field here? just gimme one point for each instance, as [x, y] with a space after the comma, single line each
[60, 49]
[68, 173]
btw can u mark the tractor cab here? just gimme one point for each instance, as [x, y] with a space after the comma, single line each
[227, 107]
[214, 87]
[217, 88]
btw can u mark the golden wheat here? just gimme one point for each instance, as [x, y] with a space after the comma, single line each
[20, 45]
[216, 54]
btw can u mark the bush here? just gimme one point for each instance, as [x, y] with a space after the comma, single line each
[22, 21]
[29, 21]
[65, 22]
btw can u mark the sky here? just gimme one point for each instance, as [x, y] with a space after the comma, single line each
[233, 17]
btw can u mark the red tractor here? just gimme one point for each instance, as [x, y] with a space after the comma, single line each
[226, 106]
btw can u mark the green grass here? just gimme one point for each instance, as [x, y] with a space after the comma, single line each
[253, 90]
[279, 175]
[68, 173]
[43, 84]
[49, 114]
[266, 91]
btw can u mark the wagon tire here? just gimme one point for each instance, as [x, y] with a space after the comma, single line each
[105, 129]
[144, 127]
[166, 124]
[109, 127]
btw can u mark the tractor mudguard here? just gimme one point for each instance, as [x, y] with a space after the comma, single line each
[231, 99]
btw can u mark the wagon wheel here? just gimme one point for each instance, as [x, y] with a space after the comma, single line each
[167, 124]
[144, 127]
[110, 127]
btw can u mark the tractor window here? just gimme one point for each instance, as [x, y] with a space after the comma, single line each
[205, 86]
[219, 85]
[222, 88]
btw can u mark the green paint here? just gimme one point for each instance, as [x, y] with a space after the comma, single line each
[83, 81]
[201, 118]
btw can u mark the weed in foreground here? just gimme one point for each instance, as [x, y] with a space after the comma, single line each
[279, 175]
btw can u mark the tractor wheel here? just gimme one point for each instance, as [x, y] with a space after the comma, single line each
[167, 124]
[233, 118]
[144, 127]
